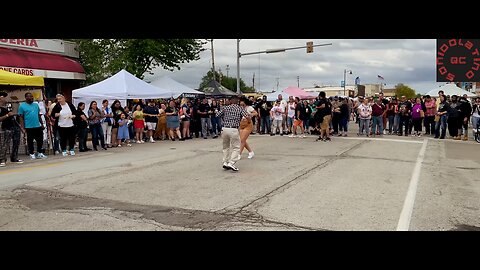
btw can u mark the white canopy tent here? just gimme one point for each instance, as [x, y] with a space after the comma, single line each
[177, 88]
[121, 86]
[449, 90]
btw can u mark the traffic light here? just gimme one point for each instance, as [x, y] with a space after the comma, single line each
[309, 47]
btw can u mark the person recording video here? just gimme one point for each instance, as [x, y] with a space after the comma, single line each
[9, 132]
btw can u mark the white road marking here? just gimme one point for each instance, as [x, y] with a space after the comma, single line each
[377, 139]
[406, 214]
[386, 139]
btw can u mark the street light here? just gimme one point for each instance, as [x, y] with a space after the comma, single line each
[345, 79]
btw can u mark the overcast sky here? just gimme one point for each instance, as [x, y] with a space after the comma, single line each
[408, 61]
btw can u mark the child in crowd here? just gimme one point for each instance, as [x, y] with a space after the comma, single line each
[123, 131]
[138, 123]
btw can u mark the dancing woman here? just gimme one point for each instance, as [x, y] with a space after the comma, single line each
[246, 126]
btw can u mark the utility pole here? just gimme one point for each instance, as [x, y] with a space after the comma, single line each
[213, 59]
[238, 66]
[228, 68]
[253, 81]
[345, 79]
[298, 81]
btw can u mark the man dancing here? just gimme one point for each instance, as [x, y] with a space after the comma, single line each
[231, 116]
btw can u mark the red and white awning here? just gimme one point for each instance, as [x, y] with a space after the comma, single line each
[40, 64]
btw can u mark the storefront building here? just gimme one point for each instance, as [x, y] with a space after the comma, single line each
[54, 59]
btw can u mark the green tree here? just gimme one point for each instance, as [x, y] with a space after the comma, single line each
[228, 82]
[404, 90]
[102, 58]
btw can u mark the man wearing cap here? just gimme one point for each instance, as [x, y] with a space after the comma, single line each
[9, 132]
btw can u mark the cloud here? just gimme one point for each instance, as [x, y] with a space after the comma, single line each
[408, 61]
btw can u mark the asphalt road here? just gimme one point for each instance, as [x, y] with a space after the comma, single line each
[390, 183]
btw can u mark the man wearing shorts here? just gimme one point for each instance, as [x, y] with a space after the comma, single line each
[300, 116]
[324, 109]
[151, 118]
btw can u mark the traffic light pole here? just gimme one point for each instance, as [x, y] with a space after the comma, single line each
[284, 49]
[268, 51]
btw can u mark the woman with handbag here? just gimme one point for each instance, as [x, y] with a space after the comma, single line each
[95, 115]
[246, 126]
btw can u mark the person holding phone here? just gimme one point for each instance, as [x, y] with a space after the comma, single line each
[9, 132]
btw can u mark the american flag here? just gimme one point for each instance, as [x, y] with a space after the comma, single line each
[380, 77]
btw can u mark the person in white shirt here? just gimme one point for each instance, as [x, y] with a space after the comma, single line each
[365, 112]
[290, 114]
[64, 112]
[283, 104]
[277, 114]
[476, 115]
[107, 123]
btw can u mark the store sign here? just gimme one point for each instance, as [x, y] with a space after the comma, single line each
[54, 74]
[42, 45]
[22, 71]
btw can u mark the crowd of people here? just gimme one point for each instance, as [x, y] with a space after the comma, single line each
[421, 116]
[184, 119]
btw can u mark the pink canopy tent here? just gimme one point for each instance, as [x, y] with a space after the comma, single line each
[297, 92]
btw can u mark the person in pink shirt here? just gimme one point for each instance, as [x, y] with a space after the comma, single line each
[417, 117]
[429, 120]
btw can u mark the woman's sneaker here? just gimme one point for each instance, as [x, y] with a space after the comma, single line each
[72, 153]
[41, 155]
[18, 161]
[251, 155]
[64, 153]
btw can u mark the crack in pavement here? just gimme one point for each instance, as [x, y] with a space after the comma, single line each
[254, 217]
[258, 202]
[47, 200]
[43, 200]
[125, 215]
